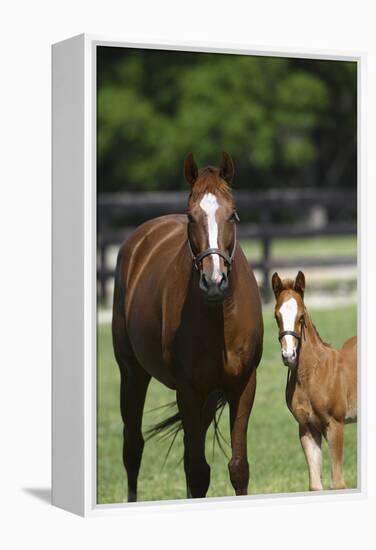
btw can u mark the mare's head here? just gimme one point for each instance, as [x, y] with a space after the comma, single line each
[211, 225]
[289, 314]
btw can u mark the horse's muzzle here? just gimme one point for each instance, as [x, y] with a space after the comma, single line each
[290, 360]
[214, 292]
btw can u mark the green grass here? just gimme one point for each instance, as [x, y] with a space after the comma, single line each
[320, 247]
[276, 460]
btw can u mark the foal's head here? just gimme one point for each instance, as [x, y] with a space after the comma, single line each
[289, 314]
[211, 224]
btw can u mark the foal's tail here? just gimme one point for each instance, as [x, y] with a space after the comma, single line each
[171, 426]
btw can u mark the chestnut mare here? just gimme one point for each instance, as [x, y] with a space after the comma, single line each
[321, 390]
[187, 311]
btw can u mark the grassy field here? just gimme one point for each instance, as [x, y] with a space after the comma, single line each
[320, 247]
[276, 460]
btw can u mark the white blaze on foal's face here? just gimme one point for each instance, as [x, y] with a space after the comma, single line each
[288, 311]
[209, 205]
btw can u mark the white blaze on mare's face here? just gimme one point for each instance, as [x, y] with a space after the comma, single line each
[288, 312]
[210, 205]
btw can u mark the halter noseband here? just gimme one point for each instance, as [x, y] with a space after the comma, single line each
[293, 333]
[209, 251]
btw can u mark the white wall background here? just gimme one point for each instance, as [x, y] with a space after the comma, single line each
[27, 31]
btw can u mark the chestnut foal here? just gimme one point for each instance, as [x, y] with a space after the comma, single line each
[321, 390]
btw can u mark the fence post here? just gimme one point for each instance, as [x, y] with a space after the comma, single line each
[103, 226]
[103, 273]
[265, 289]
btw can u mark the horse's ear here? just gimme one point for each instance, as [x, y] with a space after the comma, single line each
[226, 169]
[299, 283]
[190, 169]
[276, 284]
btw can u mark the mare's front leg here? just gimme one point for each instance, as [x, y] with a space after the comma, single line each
[240, 403]
[196, 414]
[334, 435]
[310, 439]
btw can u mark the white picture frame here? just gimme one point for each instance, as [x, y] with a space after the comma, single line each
[74, 278]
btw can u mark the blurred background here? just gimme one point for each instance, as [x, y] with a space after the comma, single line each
[291, 127]
[289, 124]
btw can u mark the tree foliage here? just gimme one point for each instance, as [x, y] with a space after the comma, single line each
[285, 121]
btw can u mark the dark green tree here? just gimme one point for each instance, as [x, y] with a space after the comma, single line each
[285, 121]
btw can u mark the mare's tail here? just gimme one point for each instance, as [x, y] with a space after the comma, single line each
[171, 426]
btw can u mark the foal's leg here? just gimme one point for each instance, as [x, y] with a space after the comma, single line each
[133, 387]
[310, 438]
[240, 404]
[196, 417]
[334, 436]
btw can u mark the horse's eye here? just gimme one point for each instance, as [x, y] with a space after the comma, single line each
[190, 218]
[234, 217]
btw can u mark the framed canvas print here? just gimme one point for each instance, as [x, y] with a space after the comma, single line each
[206, 278]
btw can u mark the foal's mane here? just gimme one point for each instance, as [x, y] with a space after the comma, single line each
[209, 181]
[326, 344]
[287, 284]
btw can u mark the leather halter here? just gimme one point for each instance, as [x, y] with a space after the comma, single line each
[196, 259]
[293, 333]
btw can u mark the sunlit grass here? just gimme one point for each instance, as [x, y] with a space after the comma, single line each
[320, 247]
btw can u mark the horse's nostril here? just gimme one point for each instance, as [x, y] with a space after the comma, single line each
[203, 282]
[291, 355]
[223, 282]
